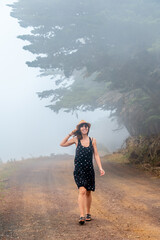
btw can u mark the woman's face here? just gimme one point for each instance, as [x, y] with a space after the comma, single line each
[84, 128]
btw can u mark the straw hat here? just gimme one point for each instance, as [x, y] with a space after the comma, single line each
[83, 121]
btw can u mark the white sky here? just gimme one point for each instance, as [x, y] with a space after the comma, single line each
[27, 128]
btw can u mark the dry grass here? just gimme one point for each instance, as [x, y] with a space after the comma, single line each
[116, 157]
[6, 170]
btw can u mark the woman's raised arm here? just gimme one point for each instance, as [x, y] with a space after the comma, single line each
[66, 142]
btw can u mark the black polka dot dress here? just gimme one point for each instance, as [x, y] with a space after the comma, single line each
[84, 174]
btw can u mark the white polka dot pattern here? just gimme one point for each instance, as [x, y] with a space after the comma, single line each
[84, 174]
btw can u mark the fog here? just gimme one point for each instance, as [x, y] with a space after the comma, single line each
[27, 127]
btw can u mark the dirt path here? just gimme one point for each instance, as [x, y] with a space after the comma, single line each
[41, 203]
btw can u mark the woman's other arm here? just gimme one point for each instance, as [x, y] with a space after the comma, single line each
[97, 158]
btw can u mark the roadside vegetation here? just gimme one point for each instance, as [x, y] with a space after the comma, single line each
[141, 151]
[6, 170]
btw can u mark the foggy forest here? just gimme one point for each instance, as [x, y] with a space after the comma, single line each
[105, 56]
[101, 55]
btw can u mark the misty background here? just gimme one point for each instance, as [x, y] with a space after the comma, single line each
[27, 127]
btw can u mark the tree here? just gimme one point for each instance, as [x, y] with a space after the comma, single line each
[106, 55]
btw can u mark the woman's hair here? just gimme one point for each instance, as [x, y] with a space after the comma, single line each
[78, 132]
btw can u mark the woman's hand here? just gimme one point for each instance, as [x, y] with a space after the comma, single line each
[73, 132]
[102, 172]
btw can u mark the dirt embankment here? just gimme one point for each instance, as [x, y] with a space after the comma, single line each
[40, 203]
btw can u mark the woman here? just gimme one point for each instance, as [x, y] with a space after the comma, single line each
[84, 175]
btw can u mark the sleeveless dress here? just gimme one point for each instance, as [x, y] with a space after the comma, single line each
[84, 174]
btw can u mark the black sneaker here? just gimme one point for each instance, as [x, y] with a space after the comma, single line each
[81, 220]
[88, 217]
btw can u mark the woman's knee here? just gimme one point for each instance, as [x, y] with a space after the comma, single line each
[82, 191]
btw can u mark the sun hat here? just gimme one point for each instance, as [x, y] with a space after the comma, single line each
[83, 121]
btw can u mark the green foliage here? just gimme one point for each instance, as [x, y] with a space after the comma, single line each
[152, 118]
[82, 91]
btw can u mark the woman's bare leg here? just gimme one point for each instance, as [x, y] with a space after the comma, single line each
[82, 201]
[88, 201]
